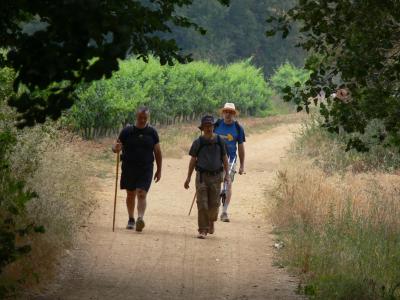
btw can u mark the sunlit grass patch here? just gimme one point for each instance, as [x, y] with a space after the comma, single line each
[338, 213]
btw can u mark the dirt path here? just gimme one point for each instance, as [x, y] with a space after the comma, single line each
[167, 261]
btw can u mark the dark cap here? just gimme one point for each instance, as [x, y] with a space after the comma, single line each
[142, 109]
[206, 120]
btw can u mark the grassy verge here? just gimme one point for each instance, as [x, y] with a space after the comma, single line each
[338, 215]
[50, 163]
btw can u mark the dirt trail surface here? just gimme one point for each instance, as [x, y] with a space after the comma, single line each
[167, 261]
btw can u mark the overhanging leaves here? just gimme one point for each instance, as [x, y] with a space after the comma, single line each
[355, 62]
[56, 41]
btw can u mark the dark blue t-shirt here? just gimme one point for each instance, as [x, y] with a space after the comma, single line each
[138, 145]
[232, 134]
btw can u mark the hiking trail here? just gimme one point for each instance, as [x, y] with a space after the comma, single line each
[167, 261]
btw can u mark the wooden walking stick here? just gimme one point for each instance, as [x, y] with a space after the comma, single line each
[194, 198]
[116, 188]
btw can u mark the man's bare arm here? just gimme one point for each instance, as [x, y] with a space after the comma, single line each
[192, 165]
[117, 146]
[158, 157]
[241, 157]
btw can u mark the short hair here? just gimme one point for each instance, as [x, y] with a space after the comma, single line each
[143, 109]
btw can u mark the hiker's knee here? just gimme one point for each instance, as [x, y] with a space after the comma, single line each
[202, 201]
[130, 195]
[141, 194]
[202, 206]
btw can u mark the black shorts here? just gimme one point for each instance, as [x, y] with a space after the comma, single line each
[136, 177]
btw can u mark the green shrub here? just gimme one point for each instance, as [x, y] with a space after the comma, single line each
[288, 75]
[15, 226]
[44, 160]
[329, 151]
[174, 94]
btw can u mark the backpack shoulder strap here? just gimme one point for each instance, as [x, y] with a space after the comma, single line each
[216, 124]
[221, 146]
[202, 143]
[239, 128]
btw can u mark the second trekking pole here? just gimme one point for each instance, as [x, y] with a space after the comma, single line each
[116, 188]
[194, 198]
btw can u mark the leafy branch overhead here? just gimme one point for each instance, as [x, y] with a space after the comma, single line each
[55, 45]
[354, 49]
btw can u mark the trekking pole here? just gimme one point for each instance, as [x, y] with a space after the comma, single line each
[115, 195]
[194, 198]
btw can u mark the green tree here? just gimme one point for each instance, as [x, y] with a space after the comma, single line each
[236, 33]
[356, 59]
[174, 94]
[55, 45]
[288, 75]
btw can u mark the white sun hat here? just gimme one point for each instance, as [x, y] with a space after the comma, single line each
[229, 107]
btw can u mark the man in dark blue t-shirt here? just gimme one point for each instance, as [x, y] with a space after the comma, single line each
[234, 137]
[140, 144]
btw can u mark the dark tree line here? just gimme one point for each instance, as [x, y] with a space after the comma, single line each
[237, 32]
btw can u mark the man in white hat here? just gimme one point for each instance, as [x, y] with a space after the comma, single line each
[233, 134]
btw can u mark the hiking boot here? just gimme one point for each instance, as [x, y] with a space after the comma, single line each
[224, 217]
[139, 224]
[131, 223]
[202, 235]
[211, 228]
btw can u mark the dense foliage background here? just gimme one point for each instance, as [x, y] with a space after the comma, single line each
[174, 94]
[55, 45]
[356, 58]
[237, 32]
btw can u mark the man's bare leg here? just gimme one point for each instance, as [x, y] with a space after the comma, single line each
[141, 196]
[130, 202]
[224, 215]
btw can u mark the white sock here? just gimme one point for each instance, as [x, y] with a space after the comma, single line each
[225, 208]
[141, 208]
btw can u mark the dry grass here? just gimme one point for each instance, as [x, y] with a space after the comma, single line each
[338, 215]
[53, 165]
[327, 151]
[306, 195]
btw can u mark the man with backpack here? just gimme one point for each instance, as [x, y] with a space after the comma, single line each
[140, 146]
[233, 134]
[209, 159]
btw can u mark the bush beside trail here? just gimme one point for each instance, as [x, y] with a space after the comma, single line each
[337, 215]
[42, 180]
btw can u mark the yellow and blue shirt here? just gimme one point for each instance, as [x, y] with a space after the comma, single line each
[233, 134]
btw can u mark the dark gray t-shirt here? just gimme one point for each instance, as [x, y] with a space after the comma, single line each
[209, 157]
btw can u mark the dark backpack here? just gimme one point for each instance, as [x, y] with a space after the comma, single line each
[204, 143]
[237, 126]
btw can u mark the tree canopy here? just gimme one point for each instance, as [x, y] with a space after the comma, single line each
[356, 59]
[55, 45]
[237, 32]
[174, 94]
